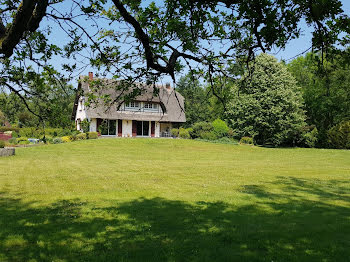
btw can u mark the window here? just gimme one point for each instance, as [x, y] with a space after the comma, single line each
[132, 104]
[148, 105]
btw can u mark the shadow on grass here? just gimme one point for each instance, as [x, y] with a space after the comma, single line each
[278, 227]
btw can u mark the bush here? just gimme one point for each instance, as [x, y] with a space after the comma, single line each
[230, 133]
[24, 142]
[208, 135]
[6, 128]
[183, 133]
[339, 135]
[92, 135]
[220, 128]
[22, 139]
[246, 140]
[85, 125]
[57, 140]
[14, 134]
[13, 141]
[310, 138]
[201, 127]
[2, 143]
[81, 136]
[174, 132]
[67, 139]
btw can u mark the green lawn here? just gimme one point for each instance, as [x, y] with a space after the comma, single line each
[174, 200]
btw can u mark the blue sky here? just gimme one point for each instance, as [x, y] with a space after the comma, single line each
[294, 48]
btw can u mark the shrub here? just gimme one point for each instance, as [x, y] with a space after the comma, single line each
[246, 140]
[339, 135]
[57, 140]
[230, 133]
[220, 128]
[85, 125]
[2, 143]
[81, 136]
[24, 142]
[174, 132]
[183, 133]
[200, 127]
[13, 141]
[6, 128]
[92, 135]
[14, 134]
[21, 139]
[225, 140]
[208, 135]
[310, 138]
[67, 139]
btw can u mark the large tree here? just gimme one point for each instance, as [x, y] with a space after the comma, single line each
[268, 105]
[142, 40]
[325, 88]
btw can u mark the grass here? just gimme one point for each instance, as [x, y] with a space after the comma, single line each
[174, 200]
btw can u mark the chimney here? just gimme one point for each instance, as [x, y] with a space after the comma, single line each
[167, 85]
[91, 75]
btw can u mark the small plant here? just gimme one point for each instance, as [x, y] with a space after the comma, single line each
[85, 125]
[67, 139]
[201, 127]
[339, 135]
[2, 143]
[208, 135]
[57, 140]
[22, 139]
[174, 132]
[92, 135]
[183, 133]
[220, 128]
[310, 138]
[24, 142]
[81, 136]
[12, 141]
[246, 140]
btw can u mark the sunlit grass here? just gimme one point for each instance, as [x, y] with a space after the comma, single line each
[174, 200]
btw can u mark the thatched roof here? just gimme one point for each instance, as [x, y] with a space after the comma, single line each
[171, 102]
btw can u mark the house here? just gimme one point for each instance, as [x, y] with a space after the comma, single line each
[150, 113]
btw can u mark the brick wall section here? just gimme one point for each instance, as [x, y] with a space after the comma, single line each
[5, 137]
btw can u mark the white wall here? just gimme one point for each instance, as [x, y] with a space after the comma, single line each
[157, 130]
[127, 128]
[81, 113]
[93, 125]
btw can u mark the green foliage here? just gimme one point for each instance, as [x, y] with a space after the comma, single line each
[201, 127]
[21, 139]
[206, 135]
[220, 128]
[247, 140]
[81, 136]
[197, 106]
[85, 125]
[5, 128]
[24, 142]
[310, 138]
[174, 132]
[2, 143]
[57, 140]
[325, 86]
[13, 141]
[67, 139]
[26, 119]
[2, 118]
[339, 135]
[184, 133]
[268, 106]
[30, 132]
[92, 135]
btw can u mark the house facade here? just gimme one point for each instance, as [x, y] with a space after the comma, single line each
[148, 114]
